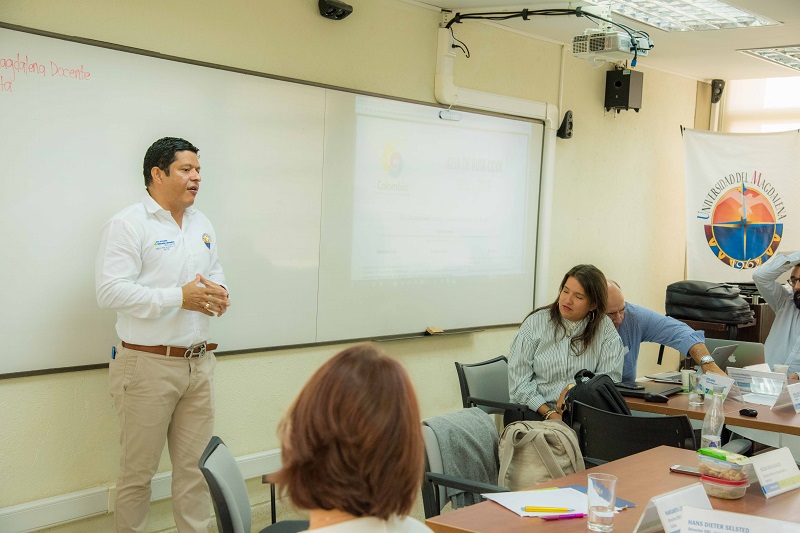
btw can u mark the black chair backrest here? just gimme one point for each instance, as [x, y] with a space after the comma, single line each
[485, 385]
[487, 380]
[229, 493]
[609, 436]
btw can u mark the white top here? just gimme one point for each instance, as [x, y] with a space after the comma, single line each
[369, 524]
[143, 261]
[783, 342]
[541, 364]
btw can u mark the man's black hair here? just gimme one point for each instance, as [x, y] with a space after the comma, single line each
[161, 154]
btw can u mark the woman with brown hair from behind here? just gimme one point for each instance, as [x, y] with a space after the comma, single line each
[352, 446]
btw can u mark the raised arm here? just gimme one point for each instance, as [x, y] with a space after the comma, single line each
[766, 278]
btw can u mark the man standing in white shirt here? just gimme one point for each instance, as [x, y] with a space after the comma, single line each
[783, 341]
[157, 267]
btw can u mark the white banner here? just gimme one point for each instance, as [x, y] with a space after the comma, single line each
[742, 201]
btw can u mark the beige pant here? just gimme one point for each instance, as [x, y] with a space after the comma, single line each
[161, 398]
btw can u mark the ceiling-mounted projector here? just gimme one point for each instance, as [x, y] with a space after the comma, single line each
[597, 45]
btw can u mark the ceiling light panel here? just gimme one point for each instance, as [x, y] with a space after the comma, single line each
[787, 56]
[686, 15]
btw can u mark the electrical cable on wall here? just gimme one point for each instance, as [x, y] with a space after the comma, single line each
[639, 40]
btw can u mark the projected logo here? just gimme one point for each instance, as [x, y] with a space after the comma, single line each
[392, 161]
[744, 230]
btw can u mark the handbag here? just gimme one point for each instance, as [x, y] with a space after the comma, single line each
[707, 301]
[532, 452]
[595, 391]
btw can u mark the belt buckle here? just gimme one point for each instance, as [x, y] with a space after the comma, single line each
[195, 350]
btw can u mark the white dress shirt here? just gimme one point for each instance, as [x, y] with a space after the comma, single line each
[783, 341]
[541, 361]
[368, 524]
[143, 261]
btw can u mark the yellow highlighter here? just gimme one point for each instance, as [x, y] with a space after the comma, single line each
[535, 509]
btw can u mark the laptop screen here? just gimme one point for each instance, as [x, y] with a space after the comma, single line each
[744, 354]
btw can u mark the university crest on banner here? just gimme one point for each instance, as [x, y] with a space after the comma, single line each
[742, 201]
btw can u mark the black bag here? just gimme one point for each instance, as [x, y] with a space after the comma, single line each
[595, 391]
[707, 301]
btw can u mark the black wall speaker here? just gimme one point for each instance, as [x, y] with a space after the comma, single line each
[565, 130]
[716, 90]
[624, 89]
[334, 9]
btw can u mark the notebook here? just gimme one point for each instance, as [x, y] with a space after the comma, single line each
[745, 354]
[667, 389]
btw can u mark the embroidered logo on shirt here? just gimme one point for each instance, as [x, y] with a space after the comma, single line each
[164, 245]
[207, 240]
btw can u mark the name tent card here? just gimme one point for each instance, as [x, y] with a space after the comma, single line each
[790, 395]
[665, 511]
[757, 386]
[776, 471]
[710, 521]
[711, 380]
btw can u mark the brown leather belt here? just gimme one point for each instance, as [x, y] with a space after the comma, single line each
[195, 350]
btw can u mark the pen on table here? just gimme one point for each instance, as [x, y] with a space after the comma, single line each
[563, 516]
[536, 509]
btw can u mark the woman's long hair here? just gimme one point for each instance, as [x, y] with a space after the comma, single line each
[594, 284]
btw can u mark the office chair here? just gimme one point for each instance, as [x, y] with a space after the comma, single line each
[229, 493]
[606, 436]
[475, 443]
[485, 385]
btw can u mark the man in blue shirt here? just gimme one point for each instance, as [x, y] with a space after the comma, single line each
[636, 324]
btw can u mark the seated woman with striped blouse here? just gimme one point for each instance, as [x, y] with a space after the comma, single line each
[556, 341]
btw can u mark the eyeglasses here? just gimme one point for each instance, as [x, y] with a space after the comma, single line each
[621, 312]
[793, 281]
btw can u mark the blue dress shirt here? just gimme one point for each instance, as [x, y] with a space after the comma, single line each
[643, 325]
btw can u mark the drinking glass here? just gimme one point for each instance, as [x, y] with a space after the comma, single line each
[602, 489]
[697, 395]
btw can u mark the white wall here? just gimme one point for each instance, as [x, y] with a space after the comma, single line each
[618, 203]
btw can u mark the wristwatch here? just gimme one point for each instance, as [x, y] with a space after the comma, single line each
[706, 359]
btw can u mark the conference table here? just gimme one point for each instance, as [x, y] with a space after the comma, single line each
[641, 476]
[781, 421]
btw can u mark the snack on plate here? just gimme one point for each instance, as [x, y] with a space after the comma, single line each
[722, 488]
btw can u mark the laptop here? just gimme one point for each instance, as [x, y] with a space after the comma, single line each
[643, 387]
[720, 352]
[746, 353]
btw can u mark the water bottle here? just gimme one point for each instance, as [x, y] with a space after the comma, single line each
[711, 435]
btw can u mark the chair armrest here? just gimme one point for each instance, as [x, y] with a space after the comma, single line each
[462, 484]
[521, 407]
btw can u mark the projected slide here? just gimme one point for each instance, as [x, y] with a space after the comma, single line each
[435, 198]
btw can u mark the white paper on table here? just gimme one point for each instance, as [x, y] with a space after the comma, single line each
[760, 399]
[710, 521]
[517, 501]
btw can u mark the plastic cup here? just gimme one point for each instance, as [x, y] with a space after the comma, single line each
[685, 373]
[697, 396]
[602, 493]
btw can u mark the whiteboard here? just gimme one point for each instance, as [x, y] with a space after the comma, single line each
[289, 172]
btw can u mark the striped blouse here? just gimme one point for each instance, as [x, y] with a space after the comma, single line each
[541, 362]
